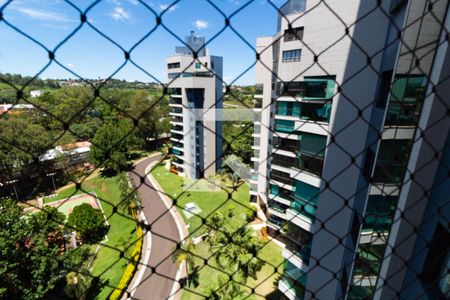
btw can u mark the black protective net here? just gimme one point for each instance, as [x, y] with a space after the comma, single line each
[326, 178]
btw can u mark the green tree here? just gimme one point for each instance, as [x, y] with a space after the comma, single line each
[238, 140]
[128, 194]
[77, 285]
[110, 146]
[88, 222]
[33, 260]
[151, 115]
[235, 251]
[185, 254]
[22, 143]
[225, 289]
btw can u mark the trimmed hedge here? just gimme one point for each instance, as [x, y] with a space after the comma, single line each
[131, 267]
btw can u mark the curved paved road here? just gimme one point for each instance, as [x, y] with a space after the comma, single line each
[164, 236]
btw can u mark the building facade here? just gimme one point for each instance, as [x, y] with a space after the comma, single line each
[344, 112]
[195, 100]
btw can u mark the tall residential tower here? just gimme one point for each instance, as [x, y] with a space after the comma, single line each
[351, 148]
[195, 88]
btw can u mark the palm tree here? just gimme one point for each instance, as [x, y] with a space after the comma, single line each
[76, 286]
[185, 254]
[225, 289]
[128, 194]
[234, 249]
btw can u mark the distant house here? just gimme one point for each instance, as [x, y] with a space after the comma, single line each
[76, 153]
[9, 108]
[36, 93]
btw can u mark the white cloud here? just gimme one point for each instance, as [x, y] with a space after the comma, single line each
[120, 14]
[42, 15]
[200, 24]
[71, 65]
[165, 6]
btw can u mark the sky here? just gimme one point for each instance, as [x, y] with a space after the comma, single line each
[126, 22]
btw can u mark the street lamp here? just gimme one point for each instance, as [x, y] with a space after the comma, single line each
[14, 187]
[52, 175]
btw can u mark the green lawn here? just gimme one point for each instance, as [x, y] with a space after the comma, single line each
[66, 193]
[209, 202]
[263, 286]
[108, 265]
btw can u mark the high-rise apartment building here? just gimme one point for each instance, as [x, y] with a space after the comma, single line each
[352, 148]
[195, 91]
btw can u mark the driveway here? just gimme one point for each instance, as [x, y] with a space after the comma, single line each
[160, 272]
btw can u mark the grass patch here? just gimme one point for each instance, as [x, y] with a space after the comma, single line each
[208, 202]
[265, 284]
[108, 265]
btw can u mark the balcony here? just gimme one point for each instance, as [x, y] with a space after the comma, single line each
[284, 126]
[175, 101]
[290, 290]
[281, 177]
[276, 206]
[295, 279]
[316, 112]
[368, 260]
[275, 221]
[177, 119]
[177, 160]
[177, 152]
[391, 162]
[311, 164]
[281, 192]
[305, 208]
[176, 110]
[259, 88]
[407, 94]
[312, 88]
[285, 144]
[178, 128]
[379, 213]
[283, 161]
[174, 91]
[177, 136]
[284, 108]
[257, 103]
[298, 241]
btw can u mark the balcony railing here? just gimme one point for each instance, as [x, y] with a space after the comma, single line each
[281, 178]
[176, 110]
[177, 128]
[284, 126]
[284, 161]
[304, 252]
[259, 88]
[175, 101]
[174, 91]
[277, 221]
[177, 119]
[305, 208]
[312, 164]
[178, 145]
[317, 112]
[312, 88]
[278, 206]
[257, 103]
[285, 144]
[177, 136]
[177, 152]
[281, 192]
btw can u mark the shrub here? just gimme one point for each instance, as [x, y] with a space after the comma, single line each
[131, 267]
[89, 223]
